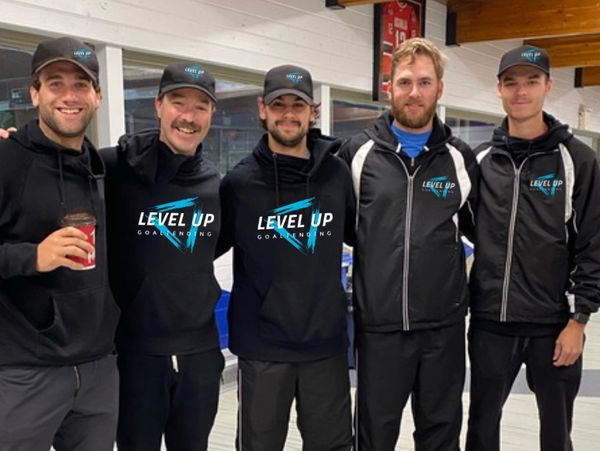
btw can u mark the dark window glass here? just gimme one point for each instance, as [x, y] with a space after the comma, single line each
[15, 75]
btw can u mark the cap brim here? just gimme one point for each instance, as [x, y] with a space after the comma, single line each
[281, 92]
[88, 72]
[187, 85]
[520, 63]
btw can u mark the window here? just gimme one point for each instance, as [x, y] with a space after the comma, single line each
[472, 132]
[350, 118]
[15, 103]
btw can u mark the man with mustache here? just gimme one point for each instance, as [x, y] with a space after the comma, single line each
[536, 276]
[58, 375]
[287, 208]
[163, 223]
[415, 184]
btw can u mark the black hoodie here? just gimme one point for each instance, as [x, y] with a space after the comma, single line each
[61, 317]
[286, 219]
[163, 224]
[537, 253]
[409, 263]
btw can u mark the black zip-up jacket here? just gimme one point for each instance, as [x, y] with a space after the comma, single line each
[286, 219]
[61, 317]
[537, 253]
[409, 262]
[163, 219]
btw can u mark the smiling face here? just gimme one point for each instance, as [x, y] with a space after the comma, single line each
[287, 119]
[523, 90]
[185, 116]
[414, 93]
[66, 100]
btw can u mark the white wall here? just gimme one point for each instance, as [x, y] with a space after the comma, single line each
[251, 34]
[254, 35]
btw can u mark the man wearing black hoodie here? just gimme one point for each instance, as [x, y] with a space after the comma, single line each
[536, 276]
[415, 184]
[58, 378]
[163, 223]
[286, 210]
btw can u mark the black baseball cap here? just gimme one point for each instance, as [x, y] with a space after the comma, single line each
[288, 79]
[66, 49]
[526, 55]
[187, 75]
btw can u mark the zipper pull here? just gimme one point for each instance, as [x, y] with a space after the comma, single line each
[175, 363]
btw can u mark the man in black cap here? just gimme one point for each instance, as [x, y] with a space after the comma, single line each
[58, 378]
[536, 277]
[287, 208]
[163, 223]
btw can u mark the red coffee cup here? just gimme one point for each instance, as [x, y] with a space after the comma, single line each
[86, 222]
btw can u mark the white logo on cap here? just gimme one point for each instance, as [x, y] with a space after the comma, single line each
[82, 54]
[194, 71]
[295, 77]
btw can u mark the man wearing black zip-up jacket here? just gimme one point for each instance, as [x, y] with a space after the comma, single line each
[287, 208]
[58, 378]
[536, 276]
[163, 224]
[414, 184]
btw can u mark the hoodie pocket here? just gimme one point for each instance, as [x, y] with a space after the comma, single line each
[174, 304]
[83, 327]
[299, 313]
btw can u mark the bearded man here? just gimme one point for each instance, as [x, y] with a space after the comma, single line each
[414, 183]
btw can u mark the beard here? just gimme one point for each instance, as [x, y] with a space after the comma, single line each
[416, 122]
[292, 141]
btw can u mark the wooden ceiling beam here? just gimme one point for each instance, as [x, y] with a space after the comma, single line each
[587, 76]
[339, 4]
[571, 51]
[489, 20]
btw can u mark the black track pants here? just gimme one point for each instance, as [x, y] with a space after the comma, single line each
[322, 392]
[495, 362]
[427, 364]
[177, 396]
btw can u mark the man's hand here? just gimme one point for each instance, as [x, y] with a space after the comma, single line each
[569, 344]
[5, 133]
[53, 252]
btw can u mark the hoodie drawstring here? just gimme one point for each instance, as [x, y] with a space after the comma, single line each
[276, 168]
[61, 188]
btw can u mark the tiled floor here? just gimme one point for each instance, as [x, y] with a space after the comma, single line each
[519, 426]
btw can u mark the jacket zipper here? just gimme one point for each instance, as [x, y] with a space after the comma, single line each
[77, 379]
[407, 232]
[511, 235]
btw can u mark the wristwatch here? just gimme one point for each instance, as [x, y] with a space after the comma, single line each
[581, 318]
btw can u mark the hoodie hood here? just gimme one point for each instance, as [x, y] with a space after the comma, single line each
[85, 162]
[283, 169]
[88, 160]
[154, 162]
[381, 133]
[556, 134]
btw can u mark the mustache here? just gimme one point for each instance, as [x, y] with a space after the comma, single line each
[286, 121]
[185, 124]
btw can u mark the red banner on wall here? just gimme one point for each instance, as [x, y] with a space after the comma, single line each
[395, 22]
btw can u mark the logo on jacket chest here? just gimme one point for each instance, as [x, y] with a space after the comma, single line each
[440, 187]
[547, 184]
[299, 223]
[181, 222]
